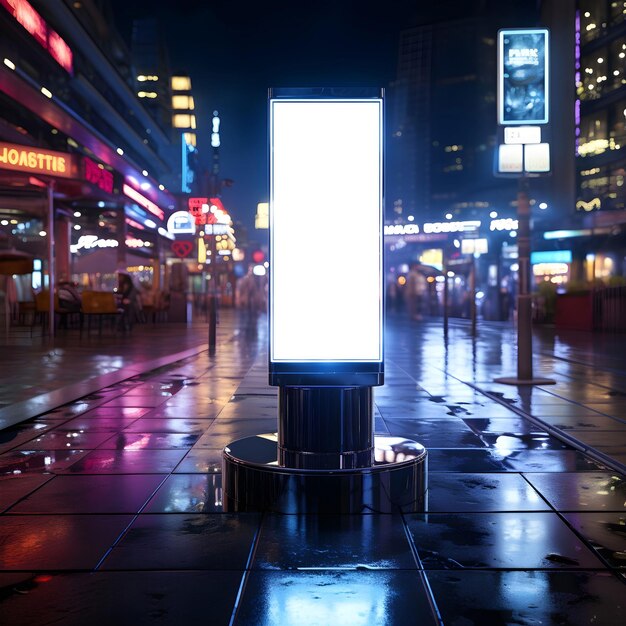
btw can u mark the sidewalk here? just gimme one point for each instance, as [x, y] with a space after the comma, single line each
[110, 505]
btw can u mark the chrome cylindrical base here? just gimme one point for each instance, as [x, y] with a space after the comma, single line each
[325, 427]
[254, 481]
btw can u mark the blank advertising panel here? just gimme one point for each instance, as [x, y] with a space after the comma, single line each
[326, 231]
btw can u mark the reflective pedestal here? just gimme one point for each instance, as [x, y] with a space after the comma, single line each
[254, 481]
[325, 458]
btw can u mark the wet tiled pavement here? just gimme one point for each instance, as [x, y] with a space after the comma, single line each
[111, 502]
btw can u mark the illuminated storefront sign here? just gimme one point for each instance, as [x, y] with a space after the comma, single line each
[594, 204]
[88, 242]
[180, 223]
[510, 158]
[451, 227]
[537, 157]
[143, 201]
[97, 175]
[36, 161]
[208, 211]
[504, 224]
[133, 242]
[218, 229]
[523, 81]
[195, 209]
[474, 246]
[26, 15]
[433, 257]
[324, 309]
[401, 229]
[566, 234]
[551, 256]
[550, 269]
[522, 134]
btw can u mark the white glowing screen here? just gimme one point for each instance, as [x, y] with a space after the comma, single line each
[326, 173]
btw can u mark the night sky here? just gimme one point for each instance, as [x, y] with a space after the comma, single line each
[234, 51]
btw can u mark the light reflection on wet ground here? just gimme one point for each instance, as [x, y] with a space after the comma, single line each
[111, 505]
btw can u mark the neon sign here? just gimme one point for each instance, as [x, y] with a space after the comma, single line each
[143, 201]
[35, 160]
[180, 222]
[451, 227]
[87, 242]
[24, 13]
[97, 175]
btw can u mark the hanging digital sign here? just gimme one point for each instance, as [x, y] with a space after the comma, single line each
[523, 76]
[325, 301]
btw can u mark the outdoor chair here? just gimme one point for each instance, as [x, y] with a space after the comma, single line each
[101, 305]
[42, 311]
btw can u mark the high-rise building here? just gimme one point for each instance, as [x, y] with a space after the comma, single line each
[168, 96]
[443, 111]
[600, 118]
[589, 147]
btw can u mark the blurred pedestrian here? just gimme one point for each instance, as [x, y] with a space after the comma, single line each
[130, 302]
[415, 293]
[70, 300]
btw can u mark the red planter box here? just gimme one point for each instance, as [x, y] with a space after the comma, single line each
[574, 311]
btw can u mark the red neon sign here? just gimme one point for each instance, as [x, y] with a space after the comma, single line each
[205, 217]
[195, 209]
[97, 175]
[24, 13]
[143, 201]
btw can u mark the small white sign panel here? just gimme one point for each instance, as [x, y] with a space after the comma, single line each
[522, 134]
[511, 158]
[537, 157]
[325, 168]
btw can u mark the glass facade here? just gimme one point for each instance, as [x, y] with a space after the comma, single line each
[601, 91]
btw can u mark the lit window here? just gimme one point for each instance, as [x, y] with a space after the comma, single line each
[184, 120]
[183, 102]
[181, 83]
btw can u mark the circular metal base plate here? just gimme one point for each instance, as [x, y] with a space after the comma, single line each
[253, 480]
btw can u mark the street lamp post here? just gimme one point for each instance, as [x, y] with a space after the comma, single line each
[524, 296]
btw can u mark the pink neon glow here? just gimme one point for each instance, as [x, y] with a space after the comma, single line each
[133, 194]
[24, 13]
[98, 176]
[135, 224]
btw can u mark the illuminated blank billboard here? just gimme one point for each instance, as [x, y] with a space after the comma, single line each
[326, 231]
[523, 56]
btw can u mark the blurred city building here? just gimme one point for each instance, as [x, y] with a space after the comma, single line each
[442, 194]
[72, 121]
[442, 111]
